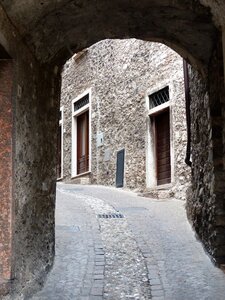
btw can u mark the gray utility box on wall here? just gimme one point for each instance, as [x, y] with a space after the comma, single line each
[120, 168]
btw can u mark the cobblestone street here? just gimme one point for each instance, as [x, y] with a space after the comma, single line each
[145, 249]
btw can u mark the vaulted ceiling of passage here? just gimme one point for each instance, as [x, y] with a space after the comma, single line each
[55, 29]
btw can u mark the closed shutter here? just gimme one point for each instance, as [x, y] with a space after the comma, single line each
[120, 168]
[162, 126]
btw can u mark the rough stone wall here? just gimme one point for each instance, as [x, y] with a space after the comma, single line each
[5, 172]
[34, 113]
[35, 175]
[217, 105]
[202, 194]
[120, 73]
[205, 205]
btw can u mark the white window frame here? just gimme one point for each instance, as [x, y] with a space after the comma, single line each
[61, 123]
[151, 176]
[75, 114]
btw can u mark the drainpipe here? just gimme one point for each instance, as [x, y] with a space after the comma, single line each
[188, 113]
[223, 38]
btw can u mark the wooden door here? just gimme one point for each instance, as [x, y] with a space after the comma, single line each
[163, 162]
[83, 143]
[59, 152]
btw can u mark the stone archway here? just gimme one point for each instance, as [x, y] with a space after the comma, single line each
[6, 137]
[54, 30]
[40, 36]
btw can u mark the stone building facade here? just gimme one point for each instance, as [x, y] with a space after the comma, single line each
[133, 88]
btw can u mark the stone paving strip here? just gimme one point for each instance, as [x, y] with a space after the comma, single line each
[126, 274]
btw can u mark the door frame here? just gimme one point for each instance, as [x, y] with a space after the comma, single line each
[151, 168]
[156, 143]
[75, 114]
[85, 120]
[61, 122]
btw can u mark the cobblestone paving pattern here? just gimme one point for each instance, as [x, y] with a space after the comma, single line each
[152, 253]
[178, 267]
[78, 245]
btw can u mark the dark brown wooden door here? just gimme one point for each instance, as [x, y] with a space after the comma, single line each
[162, 129]
[59, 153]
[83, 143]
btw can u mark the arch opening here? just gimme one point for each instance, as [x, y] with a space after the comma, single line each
[203, 167]
[204, 212]
[41, 38]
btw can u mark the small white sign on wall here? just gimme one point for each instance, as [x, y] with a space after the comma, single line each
[100, 139]
[107, 155]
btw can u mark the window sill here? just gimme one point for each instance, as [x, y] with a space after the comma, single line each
[164, 186]
[81, 175]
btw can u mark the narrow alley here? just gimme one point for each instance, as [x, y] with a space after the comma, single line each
[145, 249]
